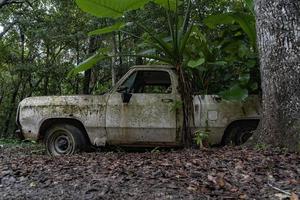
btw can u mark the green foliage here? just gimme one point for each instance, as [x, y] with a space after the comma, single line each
[9, 142]
[250, 5]
[235, 44]
[168, 4]
[113, 28]
[171, 51]
[246, 22]
[112, 8]
[261, 146]
[196, 63]
[16, 142]
[235, 93]
[217, 59]
[87, 64]
[155, 150]
[177, 105]
[200, 136]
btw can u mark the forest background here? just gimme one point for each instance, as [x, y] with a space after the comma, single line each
[42, 41]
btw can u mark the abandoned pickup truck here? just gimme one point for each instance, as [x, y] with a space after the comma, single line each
[140, 110]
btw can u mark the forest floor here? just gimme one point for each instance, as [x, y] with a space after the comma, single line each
[220, 173]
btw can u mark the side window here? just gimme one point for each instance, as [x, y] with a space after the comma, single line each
[148, 82]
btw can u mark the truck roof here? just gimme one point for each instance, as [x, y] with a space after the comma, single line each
[154, 66]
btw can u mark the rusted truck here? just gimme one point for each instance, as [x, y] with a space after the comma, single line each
[140, 110]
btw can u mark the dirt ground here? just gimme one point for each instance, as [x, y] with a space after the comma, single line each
[226, 173]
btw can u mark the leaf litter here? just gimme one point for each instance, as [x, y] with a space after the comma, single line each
[220, 173]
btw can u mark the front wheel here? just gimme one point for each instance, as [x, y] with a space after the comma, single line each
[64, 139]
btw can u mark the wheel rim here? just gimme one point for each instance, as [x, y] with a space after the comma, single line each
[61, 143]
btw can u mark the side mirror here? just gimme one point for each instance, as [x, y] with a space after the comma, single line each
[126, 97]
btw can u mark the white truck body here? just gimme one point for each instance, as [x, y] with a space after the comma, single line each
[148, 119]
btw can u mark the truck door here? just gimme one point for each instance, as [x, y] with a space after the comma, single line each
[150, 117]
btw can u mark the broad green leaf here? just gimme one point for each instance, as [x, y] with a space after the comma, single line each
[222, 63]
[213, 20]
[87, 64]
[235, 93]
[158, 42]
[109, 29]
[110, 8]
[185, 39]
[168, 4]
[250, 5]
[196, 63]
[117, 8]
[246, 22]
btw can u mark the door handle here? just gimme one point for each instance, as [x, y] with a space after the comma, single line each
[167, 100]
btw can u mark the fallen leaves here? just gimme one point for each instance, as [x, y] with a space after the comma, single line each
[228, 173]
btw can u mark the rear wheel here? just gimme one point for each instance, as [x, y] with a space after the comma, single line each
[239, 132]
[64, 139]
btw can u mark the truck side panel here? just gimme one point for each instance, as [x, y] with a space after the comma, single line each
[214, 114]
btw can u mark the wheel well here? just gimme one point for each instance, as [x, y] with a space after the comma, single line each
[50, 122]
[243, 122]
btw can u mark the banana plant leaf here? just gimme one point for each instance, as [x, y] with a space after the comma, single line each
[108, 29]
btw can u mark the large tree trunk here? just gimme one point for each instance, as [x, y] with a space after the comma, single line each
[278, 31]
[185, 89]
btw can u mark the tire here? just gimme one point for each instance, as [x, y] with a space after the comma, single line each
[64, 139]
[239, 132]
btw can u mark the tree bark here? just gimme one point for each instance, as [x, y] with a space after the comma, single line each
[113, 61]
[185, 89]
[88, 73]
[278, 32]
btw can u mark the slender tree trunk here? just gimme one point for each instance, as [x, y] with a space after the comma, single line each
[86, 81]
[120, 49]
[88, 73]
[46, 78]
[7, 124]
[11, 111]
[278, 32]
[113, 61]
[77, 62]
[1, 97]
[46, 83]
